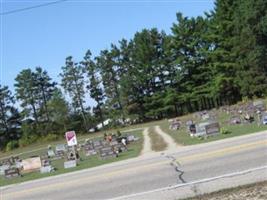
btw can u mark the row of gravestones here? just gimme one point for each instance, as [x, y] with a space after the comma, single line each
[103, 148]
[203, 129]
[11, 167]
[252, 107]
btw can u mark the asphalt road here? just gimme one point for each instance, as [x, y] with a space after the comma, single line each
[150, 172]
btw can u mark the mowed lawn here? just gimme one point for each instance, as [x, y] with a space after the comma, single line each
[182, 136]
[134, 150]
[157, 142]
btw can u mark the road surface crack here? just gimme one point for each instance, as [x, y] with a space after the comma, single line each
[174, 163]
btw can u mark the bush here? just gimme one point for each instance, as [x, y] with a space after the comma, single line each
[225, 131]
[200, 137]
[26, 140]
[12, 145]
[50, 137]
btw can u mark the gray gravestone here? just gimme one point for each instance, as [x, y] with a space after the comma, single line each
[90, 152]
[130, 138]
[46, 169]
[70, 164]
[97, 145]
[51, 153]
[61, 147]
[212, 128]
[112, 143]
[12, 172]
[107, 152]
[3, 168]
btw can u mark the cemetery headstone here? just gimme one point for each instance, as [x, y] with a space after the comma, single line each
[212, 128]
[46, 169]
[235, 120]
[112, 143]
[3, 168]
[31, 164]
[205, 116]
[120, 147]
[60, 150]
[12, 172]
[61, 147]
[131, 138]
[89, 150]
[259, 105]
[192, 128]
[207, 128]
[107, 152]
[51, 153]
[70, 164]
[264, 119]
[97, 145]
[175, 124]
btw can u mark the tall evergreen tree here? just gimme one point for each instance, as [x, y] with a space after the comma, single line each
[108, 64]
[27, 93]
[72, 80]
[46, 88]
[222, 56]
[59, 112]
[94, 86]
[10, 121]
[250, 47]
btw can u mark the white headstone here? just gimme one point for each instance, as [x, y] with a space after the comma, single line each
[70, 164]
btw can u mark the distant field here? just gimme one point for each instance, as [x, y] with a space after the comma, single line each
[134, 150]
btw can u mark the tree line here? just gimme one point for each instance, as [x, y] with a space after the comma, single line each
[207, 61]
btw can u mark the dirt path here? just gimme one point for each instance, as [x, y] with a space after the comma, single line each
[147, 142]
[168, 139]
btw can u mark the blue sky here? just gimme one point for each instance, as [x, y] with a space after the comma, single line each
[45, 36]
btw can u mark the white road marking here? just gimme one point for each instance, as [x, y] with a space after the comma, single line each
[192, 183]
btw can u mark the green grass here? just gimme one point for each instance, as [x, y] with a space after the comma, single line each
[182, 137]
[134, 150]
[80, 137]
[157, 142]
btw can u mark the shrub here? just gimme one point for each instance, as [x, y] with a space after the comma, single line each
[26, 140]
[50, 137]
[12, 145]
[225, 131]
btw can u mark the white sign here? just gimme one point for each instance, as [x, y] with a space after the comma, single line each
[71, 138]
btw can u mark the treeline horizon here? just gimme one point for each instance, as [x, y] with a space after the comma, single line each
[206, 62]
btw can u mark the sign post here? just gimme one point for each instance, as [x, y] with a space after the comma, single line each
[71, 138]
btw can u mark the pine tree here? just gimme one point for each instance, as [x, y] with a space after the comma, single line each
[10, 121]
[28, 94]
[94, 86]
[46, 88]
[250, 22]
[72, 80]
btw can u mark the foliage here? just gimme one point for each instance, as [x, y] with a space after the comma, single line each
[205, 62]
[10, 120]
[50, 137]
[224, 131]
[73, 83]
[12, 145]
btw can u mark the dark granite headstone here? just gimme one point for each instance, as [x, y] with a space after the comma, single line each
[12, 172]
[212, 128]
